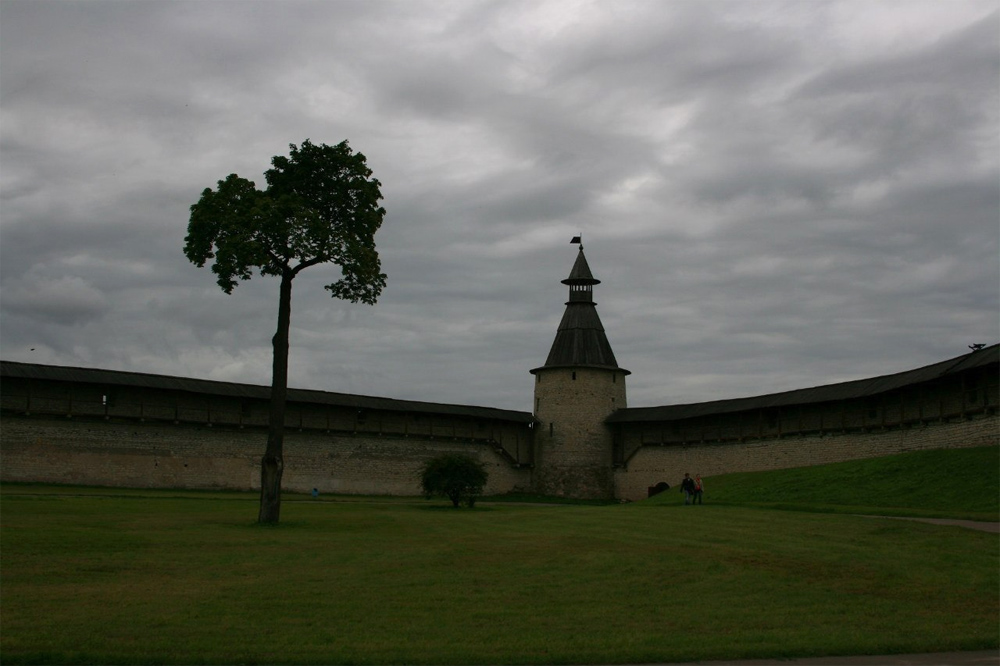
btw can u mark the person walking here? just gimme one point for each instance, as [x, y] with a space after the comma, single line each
[699, 489]
[687, 487]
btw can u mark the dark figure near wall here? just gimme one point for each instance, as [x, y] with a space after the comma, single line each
[687, 487]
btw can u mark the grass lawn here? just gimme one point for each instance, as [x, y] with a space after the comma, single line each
[955, 483]
[109, 576]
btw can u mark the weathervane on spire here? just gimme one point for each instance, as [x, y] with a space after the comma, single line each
[577, 240]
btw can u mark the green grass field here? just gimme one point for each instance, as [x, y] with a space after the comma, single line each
[109, 576]
[956, 483]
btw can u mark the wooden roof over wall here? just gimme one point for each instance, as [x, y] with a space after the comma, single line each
[13, 369]
[861, 388]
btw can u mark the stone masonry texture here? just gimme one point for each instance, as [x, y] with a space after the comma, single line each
[573, 444]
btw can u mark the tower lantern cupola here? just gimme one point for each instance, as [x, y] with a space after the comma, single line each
[581, 281]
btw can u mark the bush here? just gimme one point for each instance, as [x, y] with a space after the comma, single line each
[458, 477]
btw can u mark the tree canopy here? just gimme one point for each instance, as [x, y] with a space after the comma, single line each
[321, 205]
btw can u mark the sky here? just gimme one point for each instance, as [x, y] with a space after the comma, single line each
[774, 194]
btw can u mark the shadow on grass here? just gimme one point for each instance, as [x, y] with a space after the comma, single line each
[454, 509]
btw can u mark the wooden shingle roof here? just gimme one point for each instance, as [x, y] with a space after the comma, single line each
[860, 388]
[14, 369]
[580, 339]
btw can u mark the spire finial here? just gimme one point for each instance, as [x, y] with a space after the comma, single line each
[577, 240]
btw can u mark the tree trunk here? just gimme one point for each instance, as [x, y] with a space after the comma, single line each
[273, 464]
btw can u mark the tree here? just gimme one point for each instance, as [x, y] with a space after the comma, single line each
[321, 206]
[455, 476]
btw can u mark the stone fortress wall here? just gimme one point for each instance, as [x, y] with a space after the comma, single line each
[92, 427]
[654, 464]
[951, 404]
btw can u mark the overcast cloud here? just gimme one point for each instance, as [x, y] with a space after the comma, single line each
[775, 195]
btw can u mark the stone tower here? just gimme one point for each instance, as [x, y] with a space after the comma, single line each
[579, 386]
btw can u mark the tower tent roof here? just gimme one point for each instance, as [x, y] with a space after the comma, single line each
[580, 339]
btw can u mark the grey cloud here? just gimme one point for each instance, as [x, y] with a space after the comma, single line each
[769, 204]
[65, 301]
[690, 48]
[967, 53]
[927, 104]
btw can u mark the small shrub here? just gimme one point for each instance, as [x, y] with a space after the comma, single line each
[456, 476]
